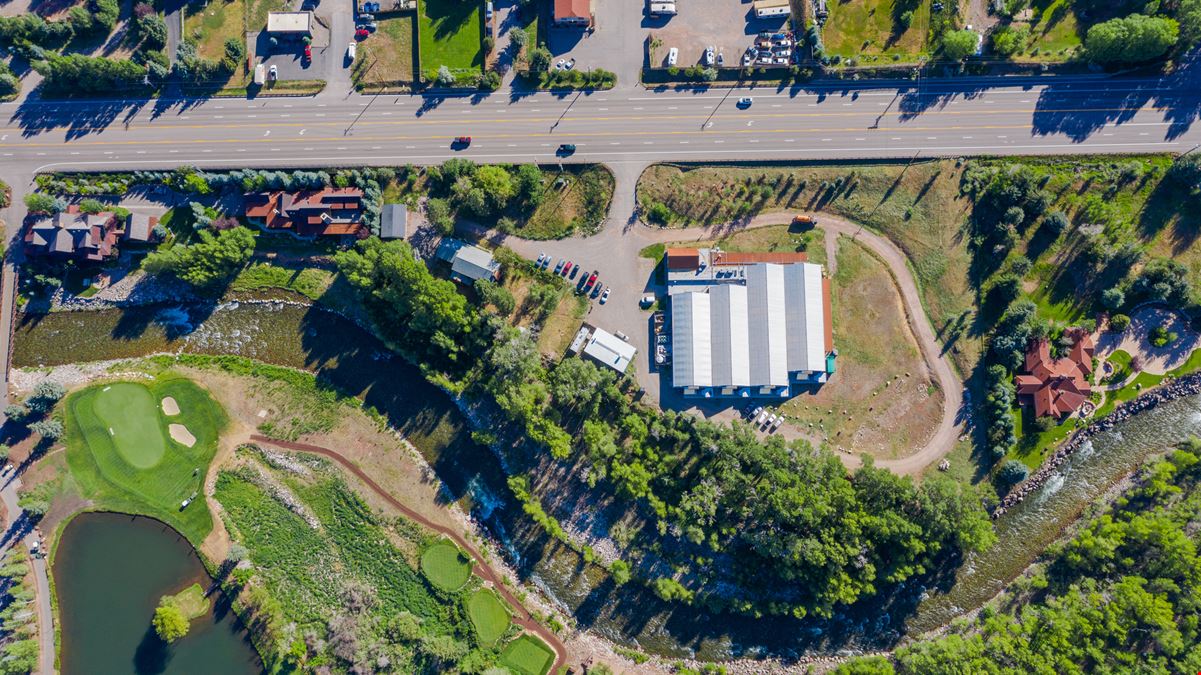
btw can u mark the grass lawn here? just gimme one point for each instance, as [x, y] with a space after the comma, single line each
[488, 615]
[214, 23]
[446, 566]
[387, 58]
[562, 325]
[136, 467]
[527, 655]
[579, 206]
[1120, 360]
[869, 29]
[1054, 33]
[257, 11]
[191, 602]
[451, 36]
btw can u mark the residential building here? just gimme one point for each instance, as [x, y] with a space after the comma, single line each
[139, 228]
[747, 325]
[1057, 387]
[394, 221]
[468, 264]
[576, 13]
[603, 347]
[289, 24]
[327, 212]
[765, 9]
[73, 235]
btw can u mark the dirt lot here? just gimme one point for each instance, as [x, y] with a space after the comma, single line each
[727, 25]
[879, 401]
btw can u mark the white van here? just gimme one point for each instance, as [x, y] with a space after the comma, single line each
[260, 74]
[673, 55]
[663, 9]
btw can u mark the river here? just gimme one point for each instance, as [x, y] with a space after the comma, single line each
[344, 355]
[110, 570]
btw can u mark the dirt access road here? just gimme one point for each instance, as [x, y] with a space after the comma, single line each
[520, 616]
[614, 252]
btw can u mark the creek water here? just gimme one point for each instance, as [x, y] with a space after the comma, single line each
[344, 355]
[110, 570]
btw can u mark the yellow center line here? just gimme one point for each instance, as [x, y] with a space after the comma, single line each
[540, 135]
[890, 115]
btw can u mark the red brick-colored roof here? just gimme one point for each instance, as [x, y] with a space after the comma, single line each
[779, 258]
[1057, 387]
[683, 258]
[328, 211]
[573, 9]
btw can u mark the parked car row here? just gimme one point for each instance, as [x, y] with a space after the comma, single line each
[762, 419]
[587, 284]
[771, 49]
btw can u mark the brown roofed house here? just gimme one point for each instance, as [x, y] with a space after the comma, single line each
[1057, 387]
[71, 234]
[329, 212]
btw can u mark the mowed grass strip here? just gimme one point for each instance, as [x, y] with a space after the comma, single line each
[451, 36]
[99, 460]
[488, 616]
[130, 413]
[527, 655]
[446, 566]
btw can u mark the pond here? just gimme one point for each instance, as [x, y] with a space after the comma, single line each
[110, 570]
[346, 356]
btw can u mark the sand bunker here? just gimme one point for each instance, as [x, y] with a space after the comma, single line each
[180, 434]
[170, 407]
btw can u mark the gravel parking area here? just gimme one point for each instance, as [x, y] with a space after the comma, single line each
[728, 25]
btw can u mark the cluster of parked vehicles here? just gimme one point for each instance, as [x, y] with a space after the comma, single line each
[771, 49]
[761, 418]
[587, 283]
[660, 335]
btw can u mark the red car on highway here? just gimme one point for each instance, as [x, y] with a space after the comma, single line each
[308, 52]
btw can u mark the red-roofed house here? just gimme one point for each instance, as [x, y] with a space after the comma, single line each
[327, 212]
[573, 12]
[1057, 387]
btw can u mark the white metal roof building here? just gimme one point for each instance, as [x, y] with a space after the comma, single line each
[603, 347]
[472, 263]
[758, 338]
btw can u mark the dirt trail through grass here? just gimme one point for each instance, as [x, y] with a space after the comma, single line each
[520, 616]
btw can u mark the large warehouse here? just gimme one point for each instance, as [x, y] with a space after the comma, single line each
[748, 325]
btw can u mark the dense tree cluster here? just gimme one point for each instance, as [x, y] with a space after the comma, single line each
[1124, 595]
[1131, 39]
[208, 263]
[795, 533]
[91, 74]
[1008, 198]
[487, 192]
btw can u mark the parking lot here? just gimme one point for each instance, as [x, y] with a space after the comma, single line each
[616, 44]
[729, 26]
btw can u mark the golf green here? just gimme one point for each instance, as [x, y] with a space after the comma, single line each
[131, 415]
[122, 456]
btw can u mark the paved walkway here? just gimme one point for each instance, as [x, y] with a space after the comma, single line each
[520, 616]
[20, 525]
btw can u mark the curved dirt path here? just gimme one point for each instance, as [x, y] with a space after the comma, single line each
[938, 366]
[520, 616]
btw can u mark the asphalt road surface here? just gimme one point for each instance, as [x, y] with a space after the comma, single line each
[947, 118]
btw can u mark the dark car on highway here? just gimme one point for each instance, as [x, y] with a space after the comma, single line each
[566, 149]
[460, 142]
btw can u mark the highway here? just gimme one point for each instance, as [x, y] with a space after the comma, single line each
[946, 118]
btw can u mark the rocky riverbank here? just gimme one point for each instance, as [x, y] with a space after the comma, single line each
[1171, 390]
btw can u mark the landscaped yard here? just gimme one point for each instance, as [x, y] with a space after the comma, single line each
[446, 566]
[212, 24]
[488, 615]
[1054, 32]
[123, 456]
[387, 56]
[869, 29]
[451, 36]
[527, 655]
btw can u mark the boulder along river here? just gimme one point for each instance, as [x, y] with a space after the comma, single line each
[345, 355]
